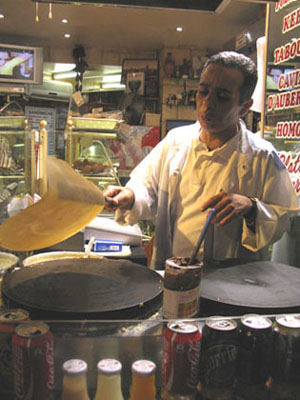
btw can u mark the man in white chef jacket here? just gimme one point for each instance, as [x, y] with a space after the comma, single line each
[214, 163]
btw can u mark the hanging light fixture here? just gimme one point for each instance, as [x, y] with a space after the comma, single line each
[50, 11]
[36, 12]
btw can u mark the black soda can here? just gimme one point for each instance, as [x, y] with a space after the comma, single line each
[246, 391]
[286, 355]
[255, 349]
[219, 349]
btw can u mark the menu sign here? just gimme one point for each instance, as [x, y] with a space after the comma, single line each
[282, 108]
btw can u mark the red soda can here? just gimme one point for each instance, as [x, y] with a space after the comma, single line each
[33, 355]
[9, 319]
[181, 355]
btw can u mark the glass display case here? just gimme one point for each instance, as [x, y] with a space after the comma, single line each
[89, 149]
[130, 340]
[15, 151]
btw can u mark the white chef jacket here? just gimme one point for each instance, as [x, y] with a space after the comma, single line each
[202, 177]
[253, 168]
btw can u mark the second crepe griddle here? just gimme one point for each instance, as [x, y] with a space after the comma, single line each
[261, 286]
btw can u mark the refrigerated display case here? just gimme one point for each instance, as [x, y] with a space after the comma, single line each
[88, 149]
[15, 151]
[130, 340]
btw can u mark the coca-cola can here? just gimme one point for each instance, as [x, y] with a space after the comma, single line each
[33, 356]
[9, 319]
[181, 355]
[181, 288]
[219, 349]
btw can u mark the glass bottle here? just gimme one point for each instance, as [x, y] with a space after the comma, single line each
[143, 380]
[109, 380]
[75, 380]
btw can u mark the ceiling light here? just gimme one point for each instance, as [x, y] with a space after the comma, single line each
[67, 35]
[64, 20]
[179, 29]
[1, 16]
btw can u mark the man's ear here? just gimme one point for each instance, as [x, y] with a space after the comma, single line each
[245, 107]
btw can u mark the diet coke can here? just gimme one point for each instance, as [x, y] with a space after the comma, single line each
[181, 355]
[33, 356]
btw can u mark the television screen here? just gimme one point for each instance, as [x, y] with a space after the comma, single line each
[21, 64]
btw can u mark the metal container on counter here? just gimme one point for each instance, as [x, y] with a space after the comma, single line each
[181, 288]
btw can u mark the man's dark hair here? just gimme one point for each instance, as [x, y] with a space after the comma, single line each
[240, 62]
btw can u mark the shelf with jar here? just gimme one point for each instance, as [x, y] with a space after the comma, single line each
[89, 149]
[178, 100]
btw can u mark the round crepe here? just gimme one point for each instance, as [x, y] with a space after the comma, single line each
[70, 203]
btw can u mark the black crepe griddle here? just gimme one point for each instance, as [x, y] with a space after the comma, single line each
[84, 288]
[260, 286]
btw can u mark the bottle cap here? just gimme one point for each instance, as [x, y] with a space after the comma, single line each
[143, 367]
[74, 367]
[109, 366]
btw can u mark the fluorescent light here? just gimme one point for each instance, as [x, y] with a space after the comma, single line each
[1, 16]
[64, 21]
[116, 78]
[179, 29]
[60, 67]
[67, 35]
[113, 86]
[64, 75]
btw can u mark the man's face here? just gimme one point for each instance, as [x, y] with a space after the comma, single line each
[218, 107]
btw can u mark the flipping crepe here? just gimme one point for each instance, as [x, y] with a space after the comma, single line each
[70, 203]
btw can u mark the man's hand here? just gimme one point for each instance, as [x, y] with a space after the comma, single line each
[118, 197]
[227, 205]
